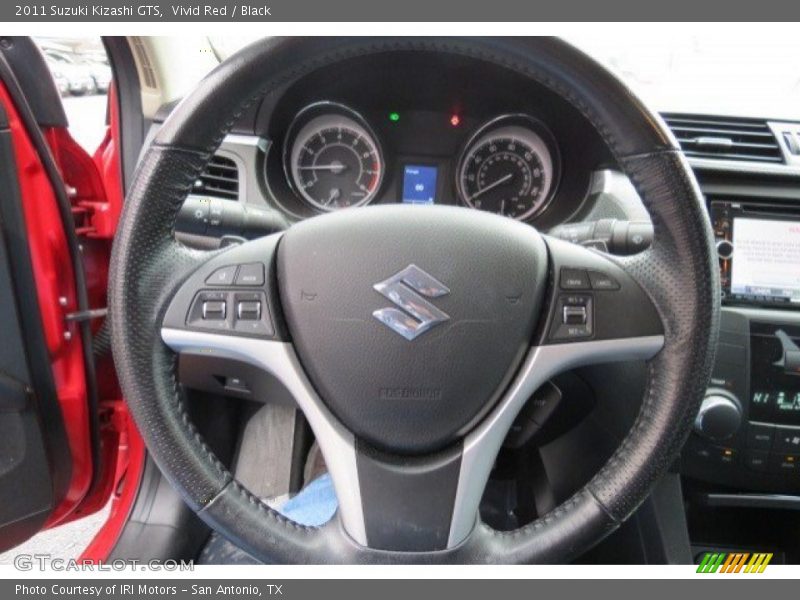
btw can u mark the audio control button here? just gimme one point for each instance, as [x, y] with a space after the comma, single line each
[787, 439]
[725, 456]
[222, 276]
[760, 436]
[757, 460]
[250, 274]
[785, 463]
[724, 249]
[214, 310]
[719, 417]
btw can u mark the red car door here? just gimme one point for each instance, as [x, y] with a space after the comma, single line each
[65, 436]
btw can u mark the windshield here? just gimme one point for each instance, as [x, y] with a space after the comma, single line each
[705, 74]
[674, 72]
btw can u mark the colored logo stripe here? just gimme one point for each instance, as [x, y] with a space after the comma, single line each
[758, 563]
[734, 562]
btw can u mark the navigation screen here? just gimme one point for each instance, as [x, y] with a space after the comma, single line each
[419, 184]
[766, 260]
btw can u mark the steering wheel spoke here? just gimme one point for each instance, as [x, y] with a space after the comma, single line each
[596, 313]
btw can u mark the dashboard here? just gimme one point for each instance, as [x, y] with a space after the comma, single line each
[427, 129]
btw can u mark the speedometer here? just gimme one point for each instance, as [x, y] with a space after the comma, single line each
[332, 158]
[508, 168]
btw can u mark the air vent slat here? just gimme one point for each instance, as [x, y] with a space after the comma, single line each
[220, 178]
[749, 125]
[725, 138]
[731, 156]
[728, 132]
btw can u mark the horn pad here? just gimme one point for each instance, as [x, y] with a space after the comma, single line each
[411, 321]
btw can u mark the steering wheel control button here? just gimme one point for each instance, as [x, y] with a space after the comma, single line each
[248, 310]
[574, 279]
[574, 315]
[250, 274]
[575, 320]
[760, 436]
[234, 312]
[602, 282]
[209, 310]
[214, 310]
[252, 316]
[222, 276]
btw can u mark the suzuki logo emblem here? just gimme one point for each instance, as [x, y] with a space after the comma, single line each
[406, 289]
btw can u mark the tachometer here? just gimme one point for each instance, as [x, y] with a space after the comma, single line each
[508, 168]
[332, 158]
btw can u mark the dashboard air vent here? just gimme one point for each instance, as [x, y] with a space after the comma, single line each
[220, 178]
[725, 138]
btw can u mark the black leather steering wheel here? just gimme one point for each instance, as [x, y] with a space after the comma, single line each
[412, 338]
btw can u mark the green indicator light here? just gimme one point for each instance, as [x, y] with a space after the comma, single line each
[394, 116]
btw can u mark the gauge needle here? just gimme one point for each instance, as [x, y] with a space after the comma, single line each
[334, 195]
[492, 185]
[336, 167]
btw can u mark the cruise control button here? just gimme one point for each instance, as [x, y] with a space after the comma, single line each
[223, 276]
[574, 315]
[573, 318]
[759, 437]
[250, 274]
[601, 281]
[574, 279]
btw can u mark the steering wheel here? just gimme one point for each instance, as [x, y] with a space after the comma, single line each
[409, 338]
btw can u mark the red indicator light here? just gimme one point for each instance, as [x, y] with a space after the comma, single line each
[455, 120]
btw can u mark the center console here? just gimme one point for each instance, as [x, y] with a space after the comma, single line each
[747, 432]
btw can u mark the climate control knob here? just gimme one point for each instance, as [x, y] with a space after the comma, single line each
[720, 415]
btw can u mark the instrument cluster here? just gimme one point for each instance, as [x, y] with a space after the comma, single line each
[333, 158]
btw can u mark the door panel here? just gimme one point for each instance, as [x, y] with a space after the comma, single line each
[35, 457]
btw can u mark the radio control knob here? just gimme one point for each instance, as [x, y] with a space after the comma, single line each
[724, 249]
[720, 415]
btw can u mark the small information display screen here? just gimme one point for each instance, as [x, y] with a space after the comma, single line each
[775, 373]
[419, 184]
